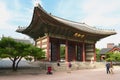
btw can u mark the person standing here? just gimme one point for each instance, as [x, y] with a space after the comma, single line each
[69, 67]
[58, 64]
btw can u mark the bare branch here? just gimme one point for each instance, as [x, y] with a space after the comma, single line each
[11, 59]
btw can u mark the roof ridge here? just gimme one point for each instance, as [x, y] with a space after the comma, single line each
[75, 22]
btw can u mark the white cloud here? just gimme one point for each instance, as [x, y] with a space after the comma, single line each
[37, 1]
[102, 12]
[100, 6]
[99, 20]
[9, 19]
[70, 9]
[111, 39]
[92, 12]
[17, 4]
[99, 13]
[4, 17]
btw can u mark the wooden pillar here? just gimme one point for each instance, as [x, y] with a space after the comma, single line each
[48, 48]
[55, 51]
[83, 53]
[58, 52]
[79, 52]
[74, 52]
[94, 52]
[66, 51]
[40, 43]
[70, 51]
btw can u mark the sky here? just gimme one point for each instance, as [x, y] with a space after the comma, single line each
[103, 14]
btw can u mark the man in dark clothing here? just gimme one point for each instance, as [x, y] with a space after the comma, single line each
[108, 68]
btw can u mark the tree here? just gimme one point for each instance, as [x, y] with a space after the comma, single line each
[111, 56]
[35, 52]
[62, 52]
[15, 51]
[97, 54]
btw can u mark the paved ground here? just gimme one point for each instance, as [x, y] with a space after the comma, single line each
[89, 74]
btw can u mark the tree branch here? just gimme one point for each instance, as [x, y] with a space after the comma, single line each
[11, 59]
[18, 62]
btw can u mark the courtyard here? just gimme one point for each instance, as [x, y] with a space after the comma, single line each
[85, 74]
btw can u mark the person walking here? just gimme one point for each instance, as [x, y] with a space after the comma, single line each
[111, 67]
[108, 68]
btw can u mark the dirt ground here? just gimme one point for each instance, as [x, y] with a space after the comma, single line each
[35, 74]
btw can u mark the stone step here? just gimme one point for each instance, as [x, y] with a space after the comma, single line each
[76, 66]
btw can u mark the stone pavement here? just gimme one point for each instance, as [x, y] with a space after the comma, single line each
[87, 74]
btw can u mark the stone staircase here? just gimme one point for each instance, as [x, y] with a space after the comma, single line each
[44, 65]
[75, 65]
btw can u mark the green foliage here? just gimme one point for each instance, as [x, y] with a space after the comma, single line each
[111, 56]
[97, 54]
[15, 51]
[62, 51]
[7, 46]
[35, 52]
[12, 49]
[29, 58]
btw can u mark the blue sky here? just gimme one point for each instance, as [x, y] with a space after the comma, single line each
[104, 14]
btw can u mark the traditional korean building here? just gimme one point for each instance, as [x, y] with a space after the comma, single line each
[50, 31]
[110, 48]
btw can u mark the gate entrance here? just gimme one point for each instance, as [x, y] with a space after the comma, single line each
[49, 32]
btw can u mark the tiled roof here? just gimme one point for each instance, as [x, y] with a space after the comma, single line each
[41, 17]
[84, 27]
[23, 41]
[105, 50]
[79, 26]
[27, 41]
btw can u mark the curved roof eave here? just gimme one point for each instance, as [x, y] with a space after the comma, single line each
[80, 26]
[76, 25]
[84, 27]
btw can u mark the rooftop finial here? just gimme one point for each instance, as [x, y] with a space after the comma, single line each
[36, 3]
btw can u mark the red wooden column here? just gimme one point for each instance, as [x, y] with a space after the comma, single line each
[66, 51]
[40, 43]
[83, 53]
[55, 51]
[94, 52]
[48, 48]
